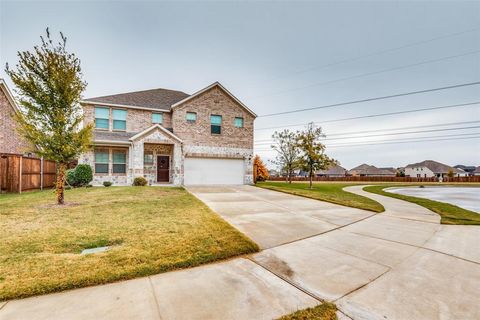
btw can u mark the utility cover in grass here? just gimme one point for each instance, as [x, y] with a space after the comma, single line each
[95, 250]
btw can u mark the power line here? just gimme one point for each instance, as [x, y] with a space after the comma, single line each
[392, 134]
[390, 129]
[369, 74]
[412, 44]
[374, 99]
[375, 115]
[460, 136]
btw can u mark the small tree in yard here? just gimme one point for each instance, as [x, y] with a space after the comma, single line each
[49, 82]
[313, 157]
[450, 173]
[288, 154]
[260, 171]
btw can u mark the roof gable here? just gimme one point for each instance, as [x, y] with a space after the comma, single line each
[213, 85]
[9, 95]
[435, 167]
[159, 128]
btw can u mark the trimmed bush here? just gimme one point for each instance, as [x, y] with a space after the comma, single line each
[71, 178]
[83, 174]
[139, 181]
[107, 183]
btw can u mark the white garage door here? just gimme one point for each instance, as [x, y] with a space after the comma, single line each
[213, 171]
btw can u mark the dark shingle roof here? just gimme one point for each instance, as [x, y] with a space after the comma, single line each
[112, 136]
[155, 98]
[333, 170]
[365, 169]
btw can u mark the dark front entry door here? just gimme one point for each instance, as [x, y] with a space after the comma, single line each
[163, 168]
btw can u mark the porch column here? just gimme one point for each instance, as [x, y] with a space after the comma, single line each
[177, 164]
[137, 160]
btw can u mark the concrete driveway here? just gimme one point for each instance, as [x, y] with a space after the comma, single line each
[401, 264]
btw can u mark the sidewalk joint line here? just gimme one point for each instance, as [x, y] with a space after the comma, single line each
[155, 298]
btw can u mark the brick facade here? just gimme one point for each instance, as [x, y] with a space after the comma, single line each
[213, 102]
[10, 140]
[137, 120]
[197, 139]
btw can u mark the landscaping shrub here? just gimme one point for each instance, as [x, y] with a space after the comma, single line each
[71, 178]
[107, 183]
[83, 174]
[139, 181]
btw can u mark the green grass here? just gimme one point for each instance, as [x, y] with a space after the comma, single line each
[449, 213]
[325, 311]
[330, 192]
[151, 229]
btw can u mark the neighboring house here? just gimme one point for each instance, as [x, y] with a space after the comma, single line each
[477, 171]
[430, 168]
[273, 173]
[172, 137]
[365, 170]
[333, 171]
[10, 140]
[468, 169]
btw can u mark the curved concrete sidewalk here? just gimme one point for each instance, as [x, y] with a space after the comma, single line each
[400, 264]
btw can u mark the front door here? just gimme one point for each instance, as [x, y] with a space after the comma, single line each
[163, 168]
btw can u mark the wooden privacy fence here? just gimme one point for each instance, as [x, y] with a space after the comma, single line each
[19, 173]
[381, 179]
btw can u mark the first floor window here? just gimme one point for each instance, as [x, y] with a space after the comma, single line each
[101, 161]
[102, 116]
[119, 161]
[157, 118]
[238, 122]
[119, 119]
[148, 158]
[216, 124]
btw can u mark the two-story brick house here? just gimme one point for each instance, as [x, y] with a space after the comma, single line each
[172, 137]
[10, 140]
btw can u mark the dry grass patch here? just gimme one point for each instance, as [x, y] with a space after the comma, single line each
[150, 229]
[325, 311]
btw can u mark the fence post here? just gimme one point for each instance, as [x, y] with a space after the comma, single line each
[41, 173]
[20, 169]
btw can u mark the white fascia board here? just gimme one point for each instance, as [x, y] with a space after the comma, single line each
[121, 106]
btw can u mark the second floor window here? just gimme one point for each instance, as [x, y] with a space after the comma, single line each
[157, 118]
[102, 116]
[238, 122]
[191, 116]
[119, 119]
[119, 162]
[216, 124]
[101, 161]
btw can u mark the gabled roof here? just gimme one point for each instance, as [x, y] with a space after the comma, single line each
[9, 95]
[435, 167]
[372, 170]
[335, 169]
[156, 126]
[154, 99]
[215, 84]
[477, 170]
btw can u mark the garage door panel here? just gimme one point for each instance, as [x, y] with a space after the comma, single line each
[208, 171]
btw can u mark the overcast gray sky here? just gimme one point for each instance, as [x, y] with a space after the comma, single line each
[284, 56]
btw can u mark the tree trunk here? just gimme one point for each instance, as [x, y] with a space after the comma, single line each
[311, 177]
[289, 175]
[60, 182]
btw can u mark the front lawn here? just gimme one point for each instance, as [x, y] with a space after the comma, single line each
[330, 192]
[150, 229]
[324, 311]
[449, 213]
